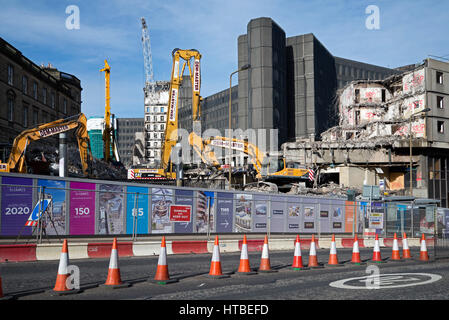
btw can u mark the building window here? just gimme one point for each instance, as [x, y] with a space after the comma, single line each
[25, 116]
[357, 96]
[44, 95]
[25, 84]
[35, 90]
[440, 126]
[10, 108]
[439, 77]
[52, 100]
[10, 75]
[35, 117]
[440, 102]
[383, 95]
[64, 104]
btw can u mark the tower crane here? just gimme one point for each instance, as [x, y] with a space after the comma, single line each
[149, 89]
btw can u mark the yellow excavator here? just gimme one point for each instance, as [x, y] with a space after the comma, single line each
[16, 161]
[170, 138]
[279, 171]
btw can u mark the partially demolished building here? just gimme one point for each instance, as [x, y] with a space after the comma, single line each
[384, 126]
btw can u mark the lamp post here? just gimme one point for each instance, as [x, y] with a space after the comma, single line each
[245, 67]
[410, 146]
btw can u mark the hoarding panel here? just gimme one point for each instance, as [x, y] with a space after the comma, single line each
[184, 198]
[54, 190]
[17, 205]
[82, 208]
[137, 210]
[161, 199]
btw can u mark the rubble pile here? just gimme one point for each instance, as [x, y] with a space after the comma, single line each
[329, 190]
[43, 158]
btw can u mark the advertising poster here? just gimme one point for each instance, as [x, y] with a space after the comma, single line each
[350, 210]
[376, 216]
[294, 215]
[161, 199]
[184, 198]
[309, 215]
[82, 208]
[205, 209]
[243, 212]
[137, 210]
[278, 209]
[225, 205]
[17, 205]
[111, 209]
[337, 216]
[260, 213]
[54, 222]
[324, 215]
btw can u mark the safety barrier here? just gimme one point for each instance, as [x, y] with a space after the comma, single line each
[33, 252]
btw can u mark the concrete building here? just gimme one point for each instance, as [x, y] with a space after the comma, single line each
[379, 122]
[31, 95]
[126, 133]
[291, 86]
[155, 121]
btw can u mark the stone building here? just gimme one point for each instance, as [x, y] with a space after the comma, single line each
[31, 95]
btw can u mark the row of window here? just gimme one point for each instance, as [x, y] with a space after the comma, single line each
[344, 70]
[154, 109]
[13, 115]
[48, 98]
[154, 118]
[153, 127]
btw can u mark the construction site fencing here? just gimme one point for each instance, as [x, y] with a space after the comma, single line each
[98, 207]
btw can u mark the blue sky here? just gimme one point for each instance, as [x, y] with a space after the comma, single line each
[409, 32]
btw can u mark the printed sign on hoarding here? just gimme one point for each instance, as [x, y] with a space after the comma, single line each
[17, 203]
[111, 208]
[261, 213]
[205, 209]
[243, 212]
[225, 206]
[278, 216]
[54, 190]
[161, 200]
[137, 210]
[183, 209]
[82, 208]
[294, 216]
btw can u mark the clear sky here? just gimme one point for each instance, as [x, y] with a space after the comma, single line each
[409, 31]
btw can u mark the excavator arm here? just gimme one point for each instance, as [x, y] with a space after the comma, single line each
[171, 127]
[16, 161]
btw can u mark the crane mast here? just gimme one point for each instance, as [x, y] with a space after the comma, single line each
[150, 91]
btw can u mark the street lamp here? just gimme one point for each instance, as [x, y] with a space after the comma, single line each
[245, 67]
[410, 145]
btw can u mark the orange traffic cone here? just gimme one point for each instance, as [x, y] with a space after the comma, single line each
[395, 253]
[162, 276]
[244, 267]
[265, 265]
[215, 266]
[376, 251]
[2, 297]
[356, 252]
[313, 261]
[405, 249]
[63, 274]
[333, 259]
[114, 279]
[297, 257]
[423, 255]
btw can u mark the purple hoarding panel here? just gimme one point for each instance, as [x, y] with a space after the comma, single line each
[225, 206]
[17, 205]
[338, 216]
[260, 210]
[82, 208]
[324, 215]
[309, 214]
[293, 215]
[184, 197]
[278, 213]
